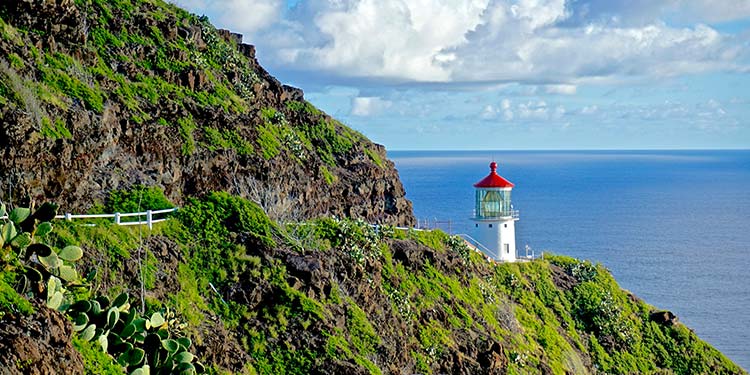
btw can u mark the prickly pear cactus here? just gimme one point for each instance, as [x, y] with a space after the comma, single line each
[42, 270]
[142, 345]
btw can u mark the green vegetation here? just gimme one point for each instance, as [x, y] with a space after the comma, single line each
[38, 270]
[323, 136]
[374, 157]
[65, 74]
[330, 139]
[149, 269]
[30, 264]
[186, 128]
[115, 243]
[428, 286]
[206, 226]
[137, 199]
[328, 177]
[56, 130]
[227, 140]
[139, 343]
[97, 83]
[268, 140]
[95, 360]
[435, 339]
[363, 335]
[10, 301]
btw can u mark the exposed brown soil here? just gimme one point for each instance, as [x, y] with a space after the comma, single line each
[38, 344]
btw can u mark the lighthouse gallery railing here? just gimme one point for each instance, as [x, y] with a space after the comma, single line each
[514, 214]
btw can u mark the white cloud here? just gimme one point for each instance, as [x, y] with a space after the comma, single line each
[368, 105]
[559, 112]
[489, 112]
[589, 110]
[712, 108]
[533, 110]
[556, 44]
[593, 53]
[400, 39]
[505, 104]
[560, 89]
[534, 14]
[243, 16]
[504, 111]
[539, 110]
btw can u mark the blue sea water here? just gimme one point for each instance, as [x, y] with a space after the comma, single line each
[672, 226]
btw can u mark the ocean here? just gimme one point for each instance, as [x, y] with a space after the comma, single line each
[673, 227]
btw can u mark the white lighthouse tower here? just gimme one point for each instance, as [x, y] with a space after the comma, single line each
[494, 217]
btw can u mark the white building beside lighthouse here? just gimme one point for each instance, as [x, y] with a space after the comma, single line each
[494, 217]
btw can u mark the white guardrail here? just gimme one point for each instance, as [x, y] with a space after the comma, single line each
[148, 214]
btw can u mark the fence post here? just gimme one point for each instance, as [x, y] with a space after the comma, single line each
[117, 218]
[148, 219]
[68, 216]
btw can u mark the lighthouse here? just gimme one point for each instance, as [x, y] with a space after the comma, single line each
[494, 217]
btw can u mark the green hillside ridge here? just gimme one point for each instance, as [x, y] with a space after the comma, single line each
[339, 296]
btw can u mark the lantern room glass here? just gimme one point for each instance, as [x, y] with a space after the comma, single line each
[492, 203]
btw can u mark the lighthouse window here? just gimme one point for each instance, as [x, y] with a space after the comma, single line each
[490, 225]
[506, 225]
[476, 225]
[491, 204]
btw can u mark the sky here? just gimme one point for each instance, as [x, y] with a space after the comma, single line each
[511, 74]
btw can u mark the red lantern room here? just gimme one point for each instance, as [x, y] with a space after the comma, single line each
[493, 196]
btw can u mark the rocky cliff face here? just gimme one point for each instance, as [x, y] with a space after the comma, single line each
[96, 96]
[38, 344]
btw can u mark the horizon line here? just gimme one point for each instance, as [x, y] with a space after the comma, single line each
[570, 149]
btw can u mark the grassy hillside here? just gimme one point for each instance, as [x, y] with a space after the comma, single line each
[107, 94]
[339, 296]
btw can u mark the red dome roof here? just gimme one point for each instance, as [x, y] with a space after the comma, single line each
[494, 180]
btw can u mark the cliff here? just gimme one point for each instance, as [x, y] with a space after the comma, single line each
[101, 95]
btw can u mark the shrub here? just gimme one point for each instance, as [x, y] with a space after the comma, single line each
[10, 301]
[459, 246]
[65, 74]
[328, 177]
[358, 239]
[55, 131]
[186, 128]
[138, 198]
[95, 361]
[210, 221]
[363, 335]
